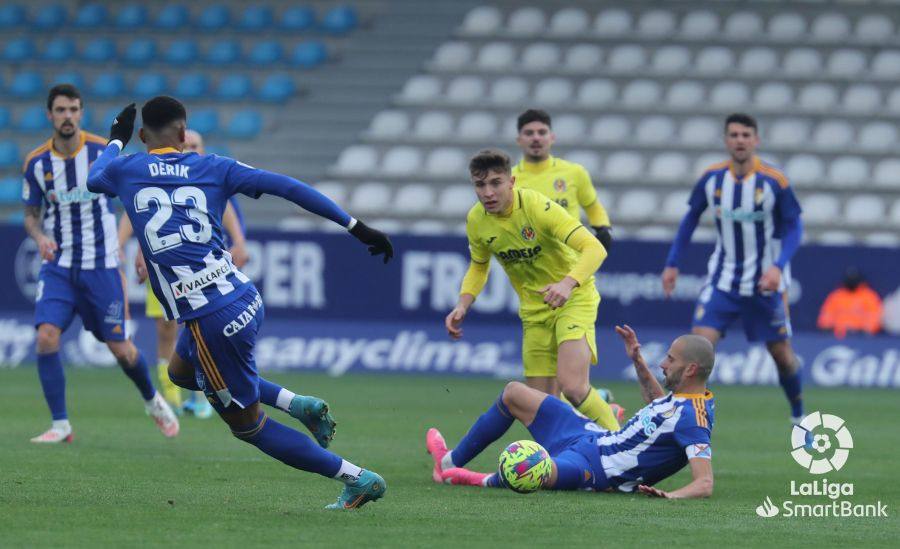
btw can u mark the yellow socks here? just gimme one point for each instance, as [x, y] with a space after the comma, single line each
[595, 408]
[170, 391]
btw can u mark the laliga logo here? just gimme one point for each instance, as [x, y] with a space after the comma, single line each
[812, 458]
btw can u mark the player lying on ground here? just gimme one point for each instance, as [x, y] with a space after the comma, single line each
[175, 202]
[671, 431]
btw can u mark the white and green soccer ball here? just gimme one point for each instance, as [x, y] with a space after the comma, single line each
[525, 466]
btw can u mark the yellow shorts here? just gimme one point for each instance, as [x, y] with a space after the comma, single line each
[154, 309]
[542, 333]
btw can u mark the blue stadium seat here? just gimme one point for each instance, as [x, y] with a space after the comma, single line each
[266, 52]
[10, 187]
[104, 121]
[18, 50]
[223, 52]
[181, 52]
[309, 54]
[16, 217]
[221, 150]
[91, 16]
[26, 84]
[108, 85]
[59, 50]
[140, 52]
[244, 125]
[298, 18]
[233, 87]
[5, 118]
[214, 18]
[99, 50]
[49, 18]
[150, 84]
[339, 20]
[277, 88]
[173, 16]
[192, 86]
[255, 18]
[131, 16]
[68, 77]
[11, 16]
[33, 119]
[205, 121]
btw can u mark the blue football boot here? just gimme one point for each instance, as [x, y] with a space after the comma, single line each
[368, 487]
[313, 413]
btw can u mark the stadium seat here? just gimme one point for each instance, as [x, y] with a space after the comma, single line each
[140, 52]
[264, 53]
[131, 16]
[788, 132]
[245, 124]
[887, 173]
[582, 58]
[389, 124]
[553, 91]
[700, 24]
[569, 128]
[18, 50]
[596, 92]
[540, 57]
[465, 90]
[357, 160]
[864, 210]
[670, 168]
[787, 27]
[452, 56]
[181, 52]
[774, 96]
[830, 27]
[192, 86]
[334, 190]
[623, 166]
[636, 205]
[729, 95]
[758, 61]
[612, 23]
[700, 131]
[150, 84]
[255, 18]
[234, 87]
[705, 234]
[11, 16]
[526, 22]
[654, 130]
[846, 63]
[482, 21]
[848, 171]
[68, 77]
[874, 28]
[214, 18]
[433, 125]
[819, 97]
[5, 118]
[606, 198]
[220, 149]
[371, 197]
[59, 50]
[9, 158]
[99, 50]
[743, 25]
[205, 121]
[862, 99]
[626, 59]
[309, 54]
[882, 239]
[477, 126]
[685, 94]
[421, 88]
[893, 101]
[400, 161]
[833, 135]
[10, 188]
[590, 160]
[878, 137]
[108, 85]
[495, 56]
[805, 170]
[835, 238]
[172, 17]
[886, 65]
[642, 93]
[50, 17]
[26, 84]
[509, 90]
[671, 60]
[895, 213]
[714, 60]
[427, 227]
[276, 88]
[339, 20]
[223, 52]
[298, 19]
[456, 200]
[656, 23]
[704, 161]
[821, 208]
[802, 62]
[569, 22]
[675, 205]
[33, 119]
[446, 162]
[90, 16]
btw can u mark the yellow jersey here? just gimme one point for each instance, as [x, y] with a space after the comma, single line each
[530, 245]
[566, 183]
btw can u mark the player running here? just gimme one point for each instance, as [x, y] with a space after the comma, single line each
[673, 430]
[550, 259]
[759, 230]
[175, 202]
[76, 238]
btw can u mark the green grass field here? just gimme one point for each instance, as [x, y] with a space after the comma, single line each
[121, 483]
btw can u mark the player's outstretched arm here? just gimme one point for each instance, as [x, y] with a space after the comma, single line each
[700, 487]
[472, 284]
[650, 387]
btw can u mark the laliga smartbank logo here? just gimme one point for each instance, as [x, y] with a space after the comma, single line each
[821, 443]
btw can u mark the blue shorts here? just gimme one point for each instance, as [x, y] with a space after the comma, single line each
[765, 317]
[220, 347]
[568, 435]
[97, 295]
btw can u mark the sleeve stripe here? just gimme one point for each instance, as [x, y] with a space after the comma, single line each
[776, 175]
[572, 232]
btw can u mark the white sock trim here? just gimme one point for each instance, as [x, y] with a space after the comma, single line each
[283, 401]
[348, 472]
[447, 461]
[61, 425]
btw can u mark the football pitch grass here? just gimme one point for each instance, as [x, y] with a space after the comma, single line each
[122, 484]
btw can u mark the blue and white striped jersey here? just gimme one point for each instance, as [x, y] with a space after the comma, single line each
[751, 215]
[81, 222]
[658, 440]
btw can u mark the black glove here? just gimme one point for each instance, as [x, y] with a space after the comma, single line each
[123, 126]
[376, 240]
[604, 235]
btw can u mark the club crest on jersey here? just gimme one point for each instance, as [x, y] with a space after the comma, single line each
[528, 233]
[560, 185]
[758, 196]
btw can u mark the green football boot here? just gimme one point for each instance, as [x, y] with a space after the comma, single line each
[313, 413]
[369, 487]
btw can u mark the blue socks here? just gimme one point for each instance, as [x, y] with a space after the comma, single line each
[793, 388]
[268, 392]
[53, 382]
[291, 447]
[488, 428]
[140, 375]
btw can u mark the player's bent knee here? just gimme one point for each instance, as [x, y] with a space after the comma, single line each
[47, 339]
[243, 420]
[512, 390]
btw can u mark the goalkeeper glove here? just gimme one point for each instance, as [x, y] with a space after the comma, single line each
[604, 235]
[377, 241]
[123, 126]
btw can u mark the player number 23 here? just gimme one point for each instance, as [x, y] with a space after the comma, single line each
[192, 198]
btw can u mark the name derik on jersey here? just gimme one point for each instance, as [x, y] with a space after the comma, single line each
[158, 169]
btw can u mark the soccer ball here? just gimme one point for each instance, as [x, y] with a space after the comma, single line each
[525, 466]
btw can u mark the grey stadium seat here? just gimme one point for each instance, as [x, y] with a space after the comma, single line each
[729, 94]
[700, 24]
[805, 170]
[623, 166]
[654, 233]
[893, 101]
[626, 59]
[776, 96]
[613, 22]
[569, 22]
[421, 88]
[818, 97]
[641, 93]
[465, 90]
[334, 190]
[833, 135]
[895, 213]
[714, 60]
[788, 132]
[656, 23]
[526, 22]
[846, 63]
[821, 208]
[391, 123]
[701, 131]
[582, 58]
[553, 91]
[758, 61]
[743, 25]
[787, 27]
[887, 173]
[865, 210]
[882, 239]
[446, 162]
[569, 128]
[675, 205]
[357, 159]
[705, 160]
[671, 60]
[654, 130]
[453, 56]
[685, 94]
[886, 64]
[830, 27]
[670, 168]
[402, 160]
[877, 137]
[835, 238]
[611, 128]
[636, 205]
[415, 198]
[596, 92]
[427, 227]
[862, 98]
[874, 28]
[510, 90]
[540, 57]
[496, 56]
[477, 126]
[802, 62]
[482, 21]
[433, 125]
[456, 200]
[589, 159]
[848, 171]
[371, 197]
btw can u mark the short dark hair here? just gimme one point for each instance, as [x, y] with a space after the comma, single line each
[161, 111]
[488, 160]
[533, 115]
[66, 90]
[743, 119]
